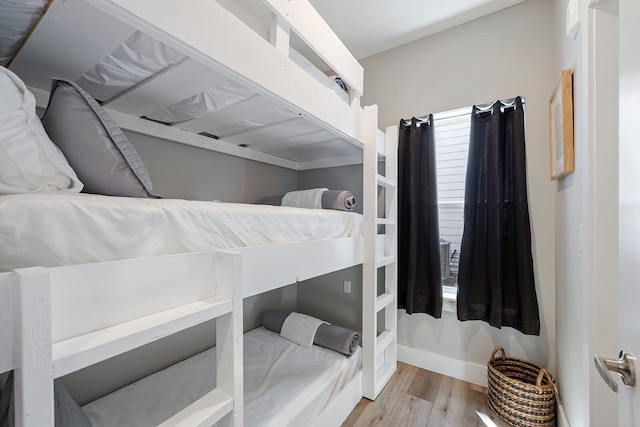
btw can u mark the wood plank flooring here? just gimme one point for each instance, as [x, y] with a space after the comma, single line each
[416, 397]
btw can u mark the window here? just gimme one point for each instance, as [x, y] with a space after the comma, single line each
[451, 130]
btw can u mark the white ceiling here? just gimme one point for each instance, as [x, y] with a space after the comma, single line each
[368, 27]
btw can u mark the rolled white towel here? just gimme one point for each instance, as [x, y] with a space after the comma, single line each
[311, 199]
[300, 328]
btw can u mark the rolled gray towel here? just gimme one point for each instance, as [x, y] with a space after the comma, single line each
[273, 200]
[337, 338]
[341, 200]
[333, 337]
[273, 319]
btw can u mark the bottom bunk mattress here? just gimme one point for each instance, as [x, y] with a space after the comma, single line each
[55, 229]
[285, 384]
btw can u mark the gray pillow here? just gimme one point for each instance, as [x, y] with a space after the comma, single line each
[67, 411]
[95, 147]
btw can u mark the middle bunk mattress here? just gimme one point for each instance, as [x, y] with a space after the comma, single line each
[55, 229]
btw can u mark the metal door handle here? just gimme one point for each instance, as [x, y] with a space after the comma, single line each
[625, 366]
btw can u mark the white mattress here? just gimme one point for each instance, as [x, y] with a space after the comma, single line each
[284, 385]
[56, 229]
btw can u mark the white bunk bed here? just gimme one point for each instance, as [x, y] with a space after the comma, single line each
[58, 319]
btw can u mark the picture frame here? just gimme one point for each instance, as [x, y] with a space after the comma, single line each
[561, 126]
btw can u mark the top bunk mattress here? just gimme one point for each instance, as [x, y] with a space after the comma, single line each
[157, 76]
[56, 229]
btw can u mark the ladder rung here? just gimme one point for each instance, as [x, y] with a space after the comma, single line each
[385, 182]
[385, 221]
[384, 261]
[384, 340]
[384, 301]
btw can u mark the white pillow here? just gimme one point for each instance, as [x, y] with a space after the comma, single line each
[29, 161]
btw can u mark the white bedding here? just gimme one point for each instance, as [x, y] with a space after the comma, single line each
[284, 385]
[56, 229]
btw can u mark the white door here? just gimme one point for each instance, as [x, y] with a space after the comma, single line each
[629, 203]
[617, 73]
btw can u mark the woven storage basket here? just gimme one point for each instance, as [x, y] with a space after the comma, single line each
[521, 393]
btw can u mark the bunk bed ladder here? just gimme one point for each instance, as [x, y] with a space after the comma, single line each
[40, 356]
[379, 341]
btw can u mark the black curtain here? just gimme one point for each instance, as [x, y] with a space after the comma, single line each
[495, 280]
[419, 281]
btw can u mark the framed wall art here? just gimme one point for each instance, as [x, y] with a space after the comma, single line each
[561, 126]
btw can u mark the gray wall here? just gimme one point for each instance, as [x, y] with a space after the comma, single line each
[184, 172]
[323, 296]
[506, 54]
[337, 178]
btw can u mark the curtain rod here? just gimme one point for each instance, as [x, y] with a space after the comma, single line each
[420, 120]
[482, 108]
[506, 104]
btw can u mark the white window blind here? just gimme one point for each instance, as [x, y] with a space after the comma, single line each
[452, 130]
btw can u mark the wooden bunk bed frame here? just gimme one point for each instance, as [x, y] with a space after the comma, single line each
[58, 320]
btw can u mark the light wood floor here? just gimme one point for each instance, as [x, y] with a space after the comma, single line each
[416, 397]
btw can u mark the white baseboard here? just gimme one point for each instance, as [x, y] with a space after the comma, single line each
[459, 369]
[455, 368]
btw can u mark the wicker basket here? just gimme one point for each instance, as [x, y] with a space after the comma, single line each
[521, 393]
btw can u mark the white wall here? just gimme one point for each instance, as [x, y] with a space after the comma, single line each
[509, 53]
[571, 232]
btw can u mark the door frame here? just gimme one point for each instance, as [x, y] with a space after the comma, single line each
[602, 274]
[629, 203]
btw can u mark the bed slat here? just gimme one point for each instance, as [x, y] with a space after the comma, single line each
[182, 81]
[330, 162]
[307, 152]
[247, 109]
[147, 127]
[284, 142]
[281, 130]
